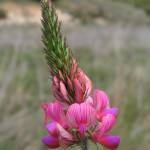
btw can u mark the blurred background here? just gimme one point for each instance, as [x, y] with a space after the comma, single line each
[111, 40]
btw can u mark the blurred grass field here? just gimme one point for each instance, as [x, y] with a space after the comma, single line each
[25, 84]
[116, 58]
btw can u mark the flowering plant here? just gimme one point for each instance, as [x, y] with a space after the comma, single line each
[78, 113]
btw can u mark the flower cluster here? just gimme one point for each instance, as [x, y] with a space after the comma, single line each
[76, 114]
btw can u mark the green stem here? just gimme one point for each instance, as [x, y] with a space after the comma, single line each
[85, 145]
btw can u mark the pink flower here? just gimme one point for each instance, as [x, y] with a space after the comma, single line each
[104, 126]
[100, 102]
[69, 124]
[74, 88]
[50, 141]
[59, 90]
[82, 86]
[109, 141]
[54, 111]
[58, 136]
[81, 117]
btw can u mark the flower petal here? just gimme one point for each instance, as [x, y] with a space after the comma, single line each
[52, 129]
[107, 123]
[88, 85]
[63, 90]
[78, 91]
[54, 111]
[65, 138]
[81, 114]
[85, 82]
[50, 141]
[101, 100]
[109, 141]
[114, 111]
[103, 127]
[89, 101]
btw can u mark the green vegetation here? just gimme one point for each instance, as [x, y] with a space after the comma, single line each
[3, 14]
[24, 84]
[123, 73]
[144, 4]
[110, 10]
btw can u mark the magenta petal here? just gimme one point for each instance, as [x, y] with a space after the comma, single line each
[50, 141]
[52, 129]
[114, 111]
[55, 112]
[109, 141]
[81, 114]
[101, 100]
[78, 91]
[107, 123]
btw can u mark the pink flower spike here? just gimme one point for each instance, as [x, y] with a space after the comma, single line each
[101, 100]
[50, 141]
[52, 129]
[109, 141]
[81, 115]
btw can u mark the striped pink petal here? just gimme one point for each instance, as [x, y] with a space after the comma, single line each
[108, 141]
[103, 127]
[63, 90]
[81, 116]
[54, 111]
[107, 123]
[50, 141]
[78, 91]
[101, 100]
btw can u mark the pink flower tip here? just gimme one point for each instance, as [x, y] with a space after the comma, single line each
[110, 142]
[50, 141]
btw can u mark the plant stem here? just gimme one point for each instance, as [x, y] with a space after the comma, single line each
[85, 145]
